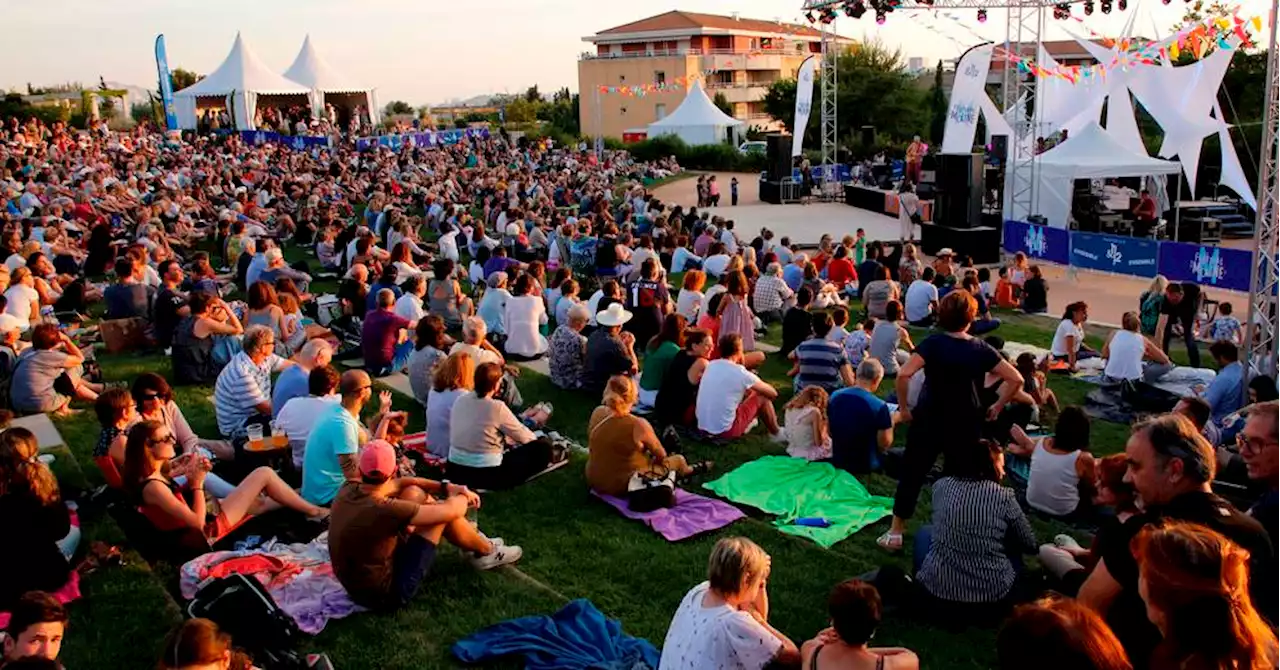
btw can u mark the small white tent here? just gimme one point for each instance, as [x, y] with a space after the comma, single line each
[1091, 153]
[314, 72]
[696, 121]
[239, 82]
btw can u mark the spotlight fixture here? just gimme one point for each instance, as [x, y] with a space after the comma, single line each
[1088, 7]
[1122, 4]
[1105, 5]
[1062, 12]
[808, 16]
[857, 9]
[880, 18]
[982, 16]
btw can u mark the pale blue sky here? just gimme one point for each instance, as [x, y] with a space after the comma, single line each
[423, 51]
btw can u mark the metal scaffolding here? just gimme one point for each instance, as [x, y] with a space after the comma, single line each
[1260, 332]
[830, 106]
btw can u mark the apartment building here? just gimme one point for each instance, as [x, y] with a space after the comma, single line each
[735, 56]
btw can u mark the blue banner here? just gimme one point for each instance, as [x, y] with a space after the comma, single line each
[1110, 253]
[427, 138]
[166, 86]
[1042, 242]
[299, 142]
[1209, 266]
[823, 173]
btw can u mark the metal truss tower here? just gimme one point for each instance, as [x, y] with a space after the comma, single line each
[830, 106]
[1260, 333]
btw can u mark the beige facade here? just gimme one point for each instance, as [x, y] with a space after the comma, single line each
[739, 58]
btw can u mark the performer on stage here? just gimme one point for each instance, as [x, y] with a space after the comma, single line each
[915, 154]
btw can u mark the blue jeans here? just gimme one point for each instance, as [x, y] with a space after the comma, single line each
[983, 326]
[398, 362]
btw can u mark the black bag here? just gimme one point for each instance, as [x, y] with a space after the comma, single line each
[916, 218]
[243, 609]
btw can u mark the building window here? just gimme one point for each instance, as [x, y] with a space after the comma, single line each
[624, 110]
[659, 111]
[659, 78]
[622, 78]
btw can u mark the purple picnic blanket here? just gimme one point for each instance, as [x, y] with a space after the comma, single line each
[692, 515]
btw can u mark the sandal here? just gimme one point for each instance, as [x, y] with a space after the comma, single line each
[890, 541]
[700, 467]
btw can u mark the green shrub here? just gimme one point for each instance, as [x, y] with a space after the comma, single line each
[719, 157]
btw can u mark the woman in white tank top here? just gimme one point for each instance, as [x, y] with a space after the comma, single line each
[1126, 349]
[1061, 466]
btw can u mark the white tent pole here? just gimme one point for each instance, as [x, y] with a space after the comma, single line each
[1177, 211]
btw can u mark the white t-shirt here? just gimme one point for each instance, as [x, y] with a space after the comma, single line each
[729, 241]
[478, 354]
[448, 245]
[20, 297]
[716, 265]
[298, 416]
[593, 303]
[1126, 351]
[1066, 328]
[409, 307]
[723, 386]
[715, 637]
[919, 295]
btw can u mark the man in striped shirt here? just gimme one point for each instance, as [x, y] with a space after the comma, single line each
[243, 389]
[820, 362]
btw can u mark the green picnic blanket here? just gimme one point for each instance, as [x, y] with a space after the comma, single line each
[793, 488]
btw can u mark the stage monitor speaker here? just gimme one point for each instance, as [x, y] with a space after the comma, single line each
[778, 156]
[959, 184]
[1000, 147]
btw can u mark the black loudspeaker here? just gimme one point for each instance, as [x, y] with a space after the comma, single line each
[868, 137]
[959, 184]
[778, 154]
[1000, 148]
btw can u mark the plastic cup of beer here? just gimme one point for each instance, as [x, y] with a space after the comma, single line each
[255, 437]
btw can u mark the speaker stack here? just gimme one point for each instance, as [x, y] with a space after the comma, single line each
[957, 211]
[777, 167]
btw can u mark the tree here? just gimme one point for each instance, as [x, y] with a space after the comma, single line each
[561, 95]
[183, 78]
[937, 108]
[723, 103]
[521, 111]
[873, 89]
[398, 107]
[532, 94]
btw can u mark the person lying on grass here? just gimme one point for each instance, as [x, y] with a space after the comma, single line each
[152, 471]
[384, 531]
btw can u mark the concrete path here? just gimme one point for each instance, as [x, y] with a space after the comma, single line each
[46, 433]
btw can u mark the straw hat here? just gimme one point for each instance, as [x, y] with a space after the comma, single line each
[945, 251]
[614, 315]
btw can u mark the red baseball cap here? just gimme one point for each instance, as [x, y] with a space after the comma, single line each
[378, 459]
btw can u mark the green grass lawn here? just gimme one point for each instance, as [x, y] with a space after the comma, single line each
[575, 547]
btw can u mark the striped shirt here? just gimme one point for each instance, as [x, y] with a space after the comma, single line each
[240, 388]
[975, 524]
[820, 361]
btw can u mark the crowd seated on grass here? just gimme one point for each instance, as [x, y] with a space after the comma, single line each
[1153, 590]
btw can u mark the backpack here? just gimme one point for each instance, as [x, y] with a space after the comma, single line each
[582, 256]
[243, 608]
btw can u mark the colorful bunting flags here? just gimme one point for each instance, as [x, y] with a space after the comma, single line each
[680, 84]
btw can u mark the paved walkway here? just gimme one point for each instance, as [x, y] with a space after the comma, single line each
[46, 433]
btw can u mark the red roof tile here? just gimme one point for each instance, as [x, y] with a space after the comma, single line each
[691, 21]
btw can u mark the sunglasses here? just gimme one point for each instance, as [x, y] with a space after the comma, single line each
[167, 439]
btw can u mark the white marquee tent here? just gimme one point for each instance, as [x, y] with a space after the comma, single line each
[239, 82]
[1090, 153]
[696, 121]
[326, 84]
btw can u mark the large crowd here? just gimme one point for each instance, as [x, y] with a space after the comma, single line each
[459, 265]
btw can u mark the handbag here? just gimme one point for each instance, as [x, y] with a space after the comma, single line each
[651, 489]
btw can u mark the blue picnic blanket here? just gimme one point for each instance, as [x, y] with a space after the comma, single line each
[578, 637]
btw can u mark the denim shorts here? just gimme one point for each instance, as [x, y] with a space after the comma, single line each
[410, 566]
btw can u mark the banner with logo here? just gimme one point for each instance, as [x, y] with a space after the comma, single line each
[427, 138]
[804, 103]
[827, 173]
[965, 104]
[299, 142]
[1208, 266]
[1135, 256]
[166, 85]
[1042, 242]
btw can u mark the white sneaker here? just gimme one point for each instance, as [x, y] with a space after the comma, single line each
[1067, 542]
[779, 437]
[501, 555]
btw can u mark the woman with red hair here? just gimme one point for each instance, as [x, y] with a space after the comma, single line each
[1058, 633]
[1195, 583]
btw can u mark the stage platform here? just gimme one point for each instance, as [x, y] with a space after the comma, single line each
[806, 224]
[879, 200]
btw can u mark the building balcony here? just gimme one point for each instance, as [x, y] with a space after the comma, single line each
[747, 54]
[738, 92]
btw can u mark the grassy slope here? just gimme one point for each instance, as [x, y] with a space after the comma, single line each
[574, 547]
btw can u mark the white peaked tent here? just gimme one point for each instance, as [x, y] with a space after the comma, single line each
[696, 121]
[326, 84]
[239, 82]
[1091, 153]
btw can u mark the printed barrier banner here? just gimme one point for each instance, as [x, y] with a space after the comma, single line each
[824, 173]
[1042, 242]
[1111, 253]
[1206, 265]
[298, 142]
[423, 139]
